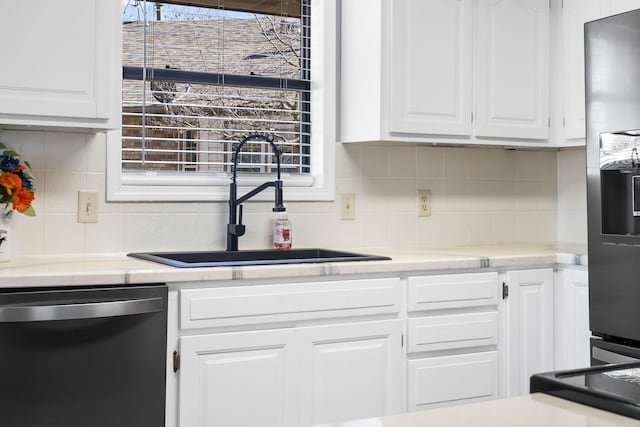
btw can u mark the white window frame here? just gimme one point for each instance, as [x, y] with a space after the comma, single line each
[319, 186]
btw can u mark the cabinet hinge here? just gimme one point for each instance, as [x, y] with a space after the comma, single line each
[176, 361]
[472, 117]
[402, 340]
[564, 122]
[505, 290]
[549, 122]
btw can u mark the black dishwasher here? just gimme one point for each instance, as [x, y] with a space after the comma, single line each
[83, 357]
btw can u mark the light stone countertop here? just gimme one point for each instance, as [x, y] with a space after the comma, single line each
[534, 410]
[113, 269]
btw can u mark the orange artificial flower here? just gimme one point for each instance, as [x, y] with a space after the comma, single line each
[22, 199]
[19, 168]
[11, 181]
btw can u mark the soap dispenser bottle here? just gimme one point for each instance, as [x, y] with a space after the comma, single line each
[282, 231]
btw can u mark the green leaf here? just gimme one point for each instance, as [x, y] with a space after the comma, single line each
[3, 147]
[28, 165]
[29, 211]
[11, 153]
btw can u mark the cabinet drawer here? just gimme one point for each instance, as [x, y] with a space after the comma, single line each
[452, 291]
[246, 305]
[449, 380]
[452, 331]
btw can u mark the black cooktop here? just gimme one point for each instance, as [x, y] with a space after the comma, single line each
[614, 388]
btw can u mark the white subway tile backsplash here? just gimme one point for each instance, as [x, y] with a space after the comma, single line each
[401, 229]
[456, 163]
[478, 195]
[65, 152]
[429, 231]
[430, 162]
[481, 195]
[374, 229]
[480, 164]
[62, 190]
[402, 162]
[481, 228]
[455, 195]
[455, 228]
[403, 196]
[374, 162]
[536, 166]
[572, 200]
[504, 165]
[504, 227]
[62, 234]
[107, 235]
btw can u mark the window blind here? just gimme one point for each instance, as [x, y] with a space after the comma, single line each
[197, 80]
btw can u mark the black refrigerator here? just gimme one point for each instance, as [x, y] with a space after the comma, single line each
[612, 84]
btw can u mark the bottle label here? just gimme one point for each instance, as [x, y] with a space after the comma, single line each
[281, 234]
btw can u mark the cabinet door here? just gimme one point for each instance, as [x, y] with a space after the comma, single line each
[512, 82]
[431, 67]
[572, 320]
[574, 15]
[529, 327]
[60, 60]
[447, 380]
[239, 379]
[351, 371]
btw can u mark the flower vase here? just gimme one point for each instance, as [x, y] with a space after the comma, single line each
[5, 237]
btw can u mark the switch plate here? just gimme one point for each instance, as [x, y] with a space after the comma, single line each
[348, 206]
[87, 206]
[424, 202]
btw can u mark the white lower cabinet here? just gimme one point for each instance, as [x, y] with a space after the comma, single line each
[316, 352]
[291, 377]
[452, 334]
[446, 380]
[529, 327]
[350, 371]
[572, 320]
[239, 379]
[301, 354]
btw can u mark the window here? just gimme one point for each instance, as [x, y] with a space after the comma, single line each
[199, 77]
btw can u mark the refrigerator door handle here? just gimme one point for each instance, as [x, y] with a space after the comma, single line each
[94, 310]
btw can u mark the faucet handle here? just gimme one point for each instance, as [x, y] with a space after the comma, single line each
[239, 228]
[236, 229]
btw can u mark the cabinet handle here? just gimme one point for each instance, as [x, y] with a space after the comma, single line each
[40, 313]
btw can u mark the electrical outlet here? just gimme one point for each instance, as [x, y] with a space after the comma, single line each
[424, 202]
[87, 206]
[348, 206]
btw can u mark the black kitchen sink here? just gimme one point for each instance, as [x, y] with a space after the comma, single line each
[251, 257]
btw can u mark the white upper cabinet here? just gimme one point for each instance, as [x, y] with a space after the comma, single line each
[431, 73]
[512, 79]
[575, 13]
[61, 64]
[415, 70]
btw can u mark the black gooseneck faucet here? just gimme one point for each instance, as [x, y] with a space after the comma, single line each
[236, 228]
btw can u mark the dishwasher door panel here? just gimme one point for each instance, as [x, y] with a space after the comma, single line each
[102, 364]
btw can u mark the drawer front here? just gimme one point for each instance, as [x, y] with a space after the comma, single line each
[452, 291]
[246, 305]
[450, 380]
[452, 331]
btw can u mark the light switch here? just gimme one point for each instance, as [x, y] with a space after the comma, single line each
[87, 206]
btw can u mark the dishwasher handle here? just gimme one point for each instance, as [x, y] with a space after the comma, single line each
[94, 310]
